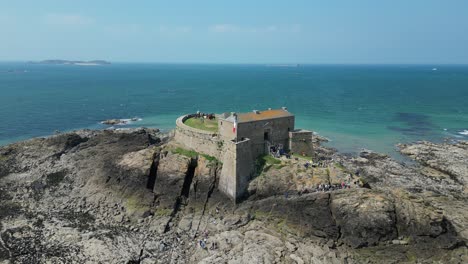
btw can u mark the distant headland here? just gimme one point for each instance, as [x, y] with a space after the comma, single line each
[72, 62]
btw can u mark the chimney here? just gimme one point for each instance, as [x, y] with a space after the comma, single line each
[256, 111]
[284, 108]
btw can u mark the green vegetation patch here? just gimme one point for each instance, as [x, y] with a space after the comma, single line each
[301, 156]
[276, 222]
[185, 152]
[268, 159]
[279, 166]
[163, 212]
[202, 123]
[265, 162]
[212, 161]
[135, 203]
[261, 215]
[341, 167]
[193, 155]
[209, 158]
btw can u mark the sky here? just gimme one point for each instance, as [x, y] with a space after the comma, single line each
[221, 31]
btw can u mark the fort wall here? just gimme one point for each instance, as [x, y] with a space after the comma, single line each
[226, 130]
[244, 167]
[238, 166]
[300, 142]
[227, 179]
[238, 149]
[198, 140]
[277, 129]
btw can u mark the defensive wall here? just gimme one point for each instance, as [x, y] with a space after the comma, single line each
[273, 131]
[237, 157]
[300, 142]
[198, 140]
[238, 167]
[238, 148]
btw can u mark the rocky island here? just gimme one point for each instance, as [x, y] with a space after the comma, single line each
[72, 62]
[140, 196]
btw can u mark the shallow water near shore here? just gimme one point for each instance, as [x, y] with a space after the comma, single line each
[359, 106]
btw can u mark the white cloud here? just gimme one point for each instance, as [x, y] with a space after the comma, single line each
[123, 29]
[296, 28]
[271, 28]
[183, 29]
[227, 28]
[67, 20]
[223, 28]
[163, 29]
[174, 29]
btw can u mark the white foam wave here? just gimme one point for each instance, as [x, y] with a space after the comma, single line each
[464, 132]
[123, 121]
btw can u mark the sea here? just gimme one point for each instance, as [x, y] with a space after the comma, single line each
[354, 106]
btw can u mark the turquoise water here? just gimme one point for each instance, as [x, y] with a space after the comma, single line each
[367, 106]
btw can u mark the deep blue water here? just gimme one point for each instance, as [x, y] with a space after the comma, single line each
[355, 106]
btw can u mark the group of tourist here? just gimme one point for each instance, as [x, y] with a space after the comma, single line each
[205, 115]
[325, 188]
[203, 242]
[332, 187]
[277, 151]
[310, 164]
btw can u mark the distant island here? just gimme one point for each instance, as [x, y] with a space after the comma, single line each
[282, 65]
[68, 62]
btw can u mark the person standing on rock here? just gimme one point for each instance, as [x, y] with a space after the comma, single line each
[202, 244]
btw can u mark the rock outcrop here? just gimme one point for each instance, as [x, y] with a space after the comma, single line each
[128, 197]
[451, 159]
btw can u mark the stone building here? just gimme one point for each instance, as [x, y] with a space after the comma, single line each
[241, 139]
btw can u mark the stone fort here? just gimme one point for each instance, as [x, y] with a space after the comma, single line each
[240, 139]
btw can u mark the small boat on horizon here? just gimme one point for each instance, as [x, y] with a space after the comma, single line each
[434, 69]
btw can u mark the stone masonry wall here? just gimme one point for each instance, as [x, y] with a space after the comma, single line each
[198, 140]
[225, 130]
[278, 130]
[238, 166]
[227, 180]
[300, 142]
[238, 157]
[245, 166]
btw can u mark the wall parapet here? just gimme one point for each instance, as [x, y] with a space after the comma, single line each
[197, 139]
[180, 123]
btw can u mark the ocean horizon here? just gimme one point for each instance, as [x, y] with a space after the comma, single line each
[354, 105]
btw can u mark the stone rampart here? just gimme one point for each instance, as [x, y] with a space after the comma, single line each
[238, 166]
[198, 140]
[238, 149]
[228, 180]
[245, 166]
[300, 142]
